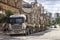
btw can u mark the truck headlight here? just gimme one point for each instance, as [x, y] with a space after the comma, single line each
[24, 26]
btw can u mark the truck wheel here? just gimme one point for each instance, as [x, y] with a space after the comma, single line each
[27, 31]
[36, 29]
[41, 28]
[30, 31]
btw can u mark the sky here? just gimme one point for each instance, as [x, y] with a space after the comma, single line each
[52, 6]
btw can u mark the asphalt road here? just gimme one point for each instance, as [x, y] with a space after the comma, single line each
[52, 34]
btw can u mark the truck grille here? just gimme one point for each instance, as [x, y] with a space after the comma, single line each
[16, 27]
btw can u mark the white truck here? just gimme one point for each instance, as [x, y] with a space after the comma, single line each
[18, 25]
[25, 23]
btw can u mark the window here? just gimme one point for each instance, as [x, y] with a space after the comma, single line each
[16, 20]
[19, 20]
[0, 8]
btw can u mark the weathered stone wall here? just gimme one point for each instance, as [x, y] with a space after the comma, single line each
[13, 5]
[6, 7]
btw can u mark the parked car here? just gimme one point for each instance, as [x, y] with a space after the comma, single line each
[52, 26]
[55, 26]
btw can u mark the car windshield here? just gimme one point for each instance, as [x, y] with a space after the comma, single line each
[16, 20]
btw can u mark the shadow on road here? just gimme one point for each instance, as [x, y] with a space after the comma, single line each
[14, 37]
[34, 34]
[40, 33]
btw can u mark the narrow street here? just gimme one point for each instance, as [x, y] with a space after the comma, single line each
[22, 17]
[52, 34]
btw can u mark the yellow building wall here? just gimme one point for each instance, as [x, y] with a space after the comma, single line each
[6, 7]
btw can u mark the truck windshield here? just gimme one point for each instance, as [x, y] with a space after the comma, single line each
[17, 20]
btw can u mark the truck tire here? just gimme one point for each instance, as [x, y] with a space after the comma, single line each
[41, 28]
[31, 30]
[36, 29]
[27, 31]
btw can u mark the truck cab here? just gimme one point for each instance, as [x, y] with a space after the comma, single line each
[17, 24]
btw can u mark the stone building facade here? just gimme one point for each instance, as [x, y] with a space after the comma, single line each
[13, 5]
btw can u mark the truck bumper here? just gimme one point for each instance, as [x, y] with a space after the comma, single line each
[16, 32]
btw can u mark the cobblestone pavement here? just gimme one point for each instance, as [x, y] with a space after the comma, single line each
[46, 35]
